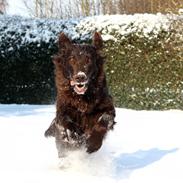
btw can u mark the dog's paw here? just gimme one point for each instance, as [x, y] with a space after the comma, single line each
[107, 120]
[94, 141]
[93, 147]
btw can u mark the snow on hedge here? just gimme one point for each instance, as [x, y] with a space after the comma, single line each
[33, 30]
[36, 30]
[111, 25]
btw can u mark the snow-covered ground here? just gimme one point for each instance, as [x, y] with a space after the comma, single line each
[146, 146]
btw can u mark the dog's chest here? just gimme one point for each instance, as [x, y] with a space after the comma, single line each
[83, 106]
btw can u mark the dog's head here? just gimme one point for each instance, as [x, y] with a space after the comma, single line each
[79, 62]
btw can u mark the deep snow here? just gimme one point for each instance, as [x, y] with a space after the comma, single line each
[146, 146]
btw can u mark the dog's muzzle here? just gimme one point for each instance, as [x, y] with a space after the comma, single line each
[79, 83]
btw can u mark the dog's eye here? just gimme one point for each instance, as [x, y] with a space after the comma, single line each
[87, 60]
[72, 60]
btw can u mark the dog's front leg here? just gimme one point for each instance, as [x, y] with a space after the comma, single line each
[94, 141]
[60, 128]
[103, 122]
[60, 121]
[107, 120]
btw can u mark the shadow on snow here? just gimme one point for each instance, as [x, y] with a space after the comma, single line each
[7, 110]
[126, 163]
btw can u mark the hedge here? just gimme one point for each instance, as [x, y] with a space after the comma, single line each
[144, 58]
[146, 74]
[26, 47]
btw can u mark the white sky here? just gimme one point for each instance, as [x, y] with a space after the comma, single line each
[16, 7]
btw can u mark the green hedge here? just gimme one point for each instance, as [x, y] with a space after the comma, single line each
[27, 77]
[143, 72]
[147, 74]
[26, 47]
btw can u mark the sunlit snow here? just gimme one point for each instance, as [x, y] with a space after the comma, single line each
[146, 146]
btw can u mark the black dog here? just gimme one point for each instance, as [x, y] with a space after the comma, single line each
[85, 110]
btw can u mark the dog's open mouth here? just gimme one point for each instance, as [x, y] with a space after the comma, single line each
[79, 88]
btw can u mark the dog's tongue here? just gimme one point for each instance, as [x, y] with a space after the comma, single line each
[80, 90]
[77, 89]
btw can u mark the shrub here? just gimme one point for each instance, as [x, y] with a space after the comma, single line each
[26, 68]
[145, 74]
[144, 58]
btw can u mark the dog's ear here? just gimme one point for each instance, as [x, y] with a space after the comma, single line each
[97, 41]
[64, 42]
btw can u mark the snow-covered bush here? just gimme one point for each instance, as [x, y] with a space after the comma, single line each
[26, 47]
[117, 27]
[144, 58]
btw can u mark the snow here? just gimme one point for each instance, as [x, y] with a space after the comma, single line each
[145, 146]
[112, 27]
[33, 30]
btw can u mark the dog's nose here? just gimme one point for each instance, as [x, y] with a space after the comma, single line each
[80, 77]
